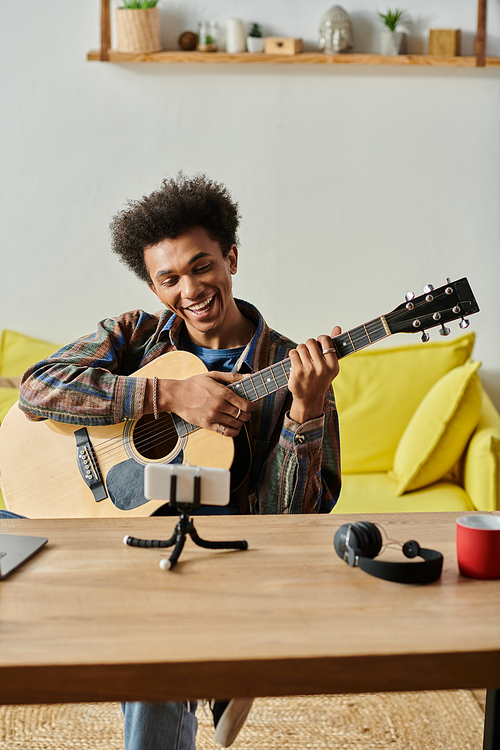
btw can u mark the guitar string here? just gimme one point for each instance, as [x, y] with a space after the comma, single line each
[143, 438]
[357, 336]
[147, 438]
[150, 436]
[150, 431]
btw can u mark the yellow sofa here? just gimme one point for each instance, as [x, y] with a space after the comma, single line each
[418, 431]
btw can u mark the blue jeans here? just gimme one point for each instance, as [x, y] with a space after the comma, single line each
[160, 726]
[154, 726]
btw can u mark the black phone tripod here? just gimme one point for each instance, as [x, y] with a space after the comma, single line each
[183, 527]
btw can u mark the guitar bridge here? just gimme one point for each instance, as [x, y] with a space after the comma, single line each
[87, 465]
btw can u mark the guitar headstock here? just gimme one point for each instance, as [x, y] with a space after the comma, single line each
[435, 307]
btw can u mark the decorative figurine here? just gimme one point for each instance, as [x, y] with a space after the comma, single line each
[335, 31]
[187, 40]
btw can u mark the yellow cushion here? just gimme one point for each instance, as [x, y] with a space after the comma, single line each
[482, 469]
[378, 390]
[439, 430]
[376, 493]
[8, 397]
[18, 352]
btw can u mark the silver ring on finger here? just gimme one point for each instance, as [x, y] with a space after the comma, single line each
[221, 429]
[238, 415]
[329, 351]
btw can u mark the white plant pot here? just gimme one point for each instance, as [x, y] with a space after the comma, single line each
[392, 42]
[255, 43]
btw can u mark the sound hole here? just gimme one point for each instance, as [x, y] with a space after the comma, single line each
[154, 438]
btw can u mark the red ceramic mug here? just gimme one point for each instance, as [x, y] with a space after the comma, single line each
[478, 546]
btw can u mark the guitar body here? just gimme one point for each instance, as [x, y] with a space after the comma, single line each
[41, 478]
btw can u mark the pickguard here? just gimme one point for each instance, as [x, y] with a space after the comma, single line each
[125, 483]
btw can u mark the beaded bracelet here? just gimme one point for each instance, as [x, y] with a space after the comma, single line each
[155, 398]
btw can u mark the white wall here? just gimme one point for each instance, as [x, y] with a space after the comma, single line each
[356, 184]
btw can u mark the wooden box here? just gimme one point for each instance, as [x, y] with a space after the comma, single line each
[281, 45]
[444, 42]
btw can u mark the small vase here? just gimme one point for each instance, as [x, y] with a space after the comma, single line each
[255, 43]
[208, 36]
[392, 42]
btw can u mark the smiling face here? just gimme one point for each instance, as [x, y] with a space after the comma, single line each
[192, 279]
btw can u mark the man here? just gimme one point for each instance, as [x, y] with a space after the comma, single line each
[182, 241]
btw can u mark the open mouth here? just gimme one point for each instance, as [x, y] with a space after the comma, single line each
[202, 307]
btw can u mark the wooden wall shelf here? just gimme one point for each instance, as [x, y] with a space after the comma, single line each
[304, 58]
[105, 54]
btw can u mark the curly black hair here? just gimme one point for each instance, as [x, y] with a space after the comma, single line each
[180, 204]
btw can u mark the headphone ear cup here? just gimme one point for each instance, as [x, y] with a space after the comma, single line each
[339, 540]
[364, 537]
[370, 538]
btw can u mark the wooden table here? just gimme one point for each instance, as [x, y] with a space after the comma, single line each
[89, 619]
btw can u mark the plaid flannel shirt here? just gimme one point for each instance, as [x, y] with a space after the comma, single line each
[295, 468]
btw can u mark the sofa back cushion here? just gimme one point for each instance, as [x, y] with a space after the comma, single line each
[439, 430]
[18, 352]
[379, 389]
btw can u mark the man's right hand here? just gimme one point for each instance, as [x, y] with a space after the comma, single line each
[204, 400]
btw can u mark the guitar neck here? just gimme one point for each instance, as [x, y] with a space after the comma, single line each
[271, 379]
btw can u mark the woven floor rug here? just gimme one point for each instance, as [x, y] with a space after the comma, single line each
[444, 720]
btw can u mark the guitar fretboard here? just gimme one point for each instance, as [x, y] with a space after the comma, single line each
[273, 378]
[361, 337]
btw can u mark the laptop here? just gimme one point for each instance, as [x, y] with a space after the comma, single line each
[14, 550]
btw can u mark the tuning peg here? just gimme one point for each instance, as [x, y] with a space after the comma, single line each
[409, 296]
[425, 336]
[443, 331]
[428, 288]
[464, 323]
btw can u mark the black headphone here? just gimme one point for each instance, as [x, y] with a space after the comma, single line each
[358, 543]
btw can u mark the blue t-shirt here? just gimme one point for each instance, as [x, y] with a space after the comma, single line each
[219, 360]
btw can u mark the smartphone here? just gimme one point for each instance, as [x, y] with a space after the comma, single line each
[214, 483]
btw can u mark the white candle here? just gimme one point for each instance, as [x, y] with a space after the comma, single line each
[235, 35]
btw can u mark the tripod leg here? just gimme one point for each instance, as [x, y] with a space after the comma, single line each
[179, 546]
[133, 541]
[214, 545]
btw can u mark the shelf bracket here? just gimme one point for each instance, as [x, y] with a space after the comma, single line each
[105, 30]
[480, 50]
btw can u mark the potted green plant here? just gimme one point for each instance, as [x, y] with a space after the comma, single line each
[255, 39]
[392, 41]
[138, 26]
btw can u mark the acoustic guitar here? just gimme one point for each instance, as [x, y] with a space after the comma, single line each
[54, 470]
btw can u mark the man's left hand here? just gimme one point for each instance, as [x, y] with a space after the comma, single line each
[311, 375]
